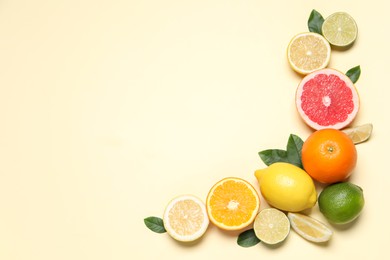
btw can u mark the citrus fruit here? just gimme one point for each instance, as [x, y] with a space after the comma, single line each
[185, 218]
[341, 203]
[308, 52]
[327, 98]
[329, 155]
[271, 226]
[309, 228]
[286, 187]
[340, 29]
[232, 203]
[360, 133]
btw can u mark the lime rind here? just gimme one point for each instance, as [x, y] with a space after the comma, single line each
[271, 226]
[359, 134]
[340, 29]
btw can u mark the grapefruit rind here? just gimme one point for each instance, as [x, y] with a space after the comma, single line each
[308, 118]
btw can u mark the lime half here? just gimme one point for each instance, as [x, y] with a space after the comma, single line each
[340, 29]
[271, 226]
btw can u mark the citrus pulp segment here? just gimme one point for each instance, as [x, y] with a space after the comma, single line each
[185, 218]
[327, 98]
[309, 228]
[271, 226]
[360, 133]
[340, 29]
[232, 203]
[308, 52]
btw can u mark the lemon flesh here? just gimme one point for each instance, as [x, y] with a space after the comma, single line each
[310, 228]
[287, 187]
[185, 218]
[308, 52]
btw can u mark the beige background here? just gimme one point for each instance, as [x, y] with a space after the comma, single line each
[108, 109]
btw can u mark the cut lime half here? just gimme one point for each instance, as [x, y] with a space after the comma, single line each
[340, 29]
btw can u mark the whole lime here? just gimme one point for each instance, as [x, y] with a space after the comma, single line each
[341, 203]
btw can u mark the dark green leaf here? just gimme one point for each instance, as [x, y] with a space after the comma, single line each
[294, 150]
[271, 156]
[315, 22]
[155, 224]
[247, 238]
[354, 74]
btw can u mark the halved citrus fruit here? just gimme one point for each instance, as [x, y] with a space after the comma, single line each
[185, 218]
[271, 226]
[232, 203]
[340, 29]
[309, 228]
[327, 98]
[360, 133]
[308, 52]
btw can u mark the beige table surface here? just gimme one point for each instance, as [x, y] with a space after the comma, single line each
[108, 109]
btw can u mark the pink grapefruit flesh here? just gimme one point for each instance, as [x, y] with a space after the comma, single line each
[327, 98]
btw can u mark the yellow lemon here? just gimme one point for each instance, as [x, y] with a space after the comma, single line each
[287, 187]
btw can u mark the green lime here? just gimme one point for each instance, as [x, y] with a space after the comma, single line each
[340, 29]
[341, 203]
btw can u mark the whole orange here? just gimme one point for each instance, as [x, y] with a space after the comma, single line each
[329, 155]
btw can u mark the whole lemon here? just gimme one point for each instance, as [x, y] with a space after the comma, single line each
[287, 187]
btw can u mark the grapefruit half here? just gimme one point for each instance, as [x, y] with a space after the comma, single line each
[327, 98]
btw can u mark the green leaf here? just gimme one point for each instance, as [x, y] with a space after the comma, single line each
[294, 150]
[247, 238]
[155, 224]
[271, 156]
[315, 22]
[354, 73]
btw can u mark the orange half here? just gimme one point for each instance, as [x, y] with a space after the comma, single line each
[232, 204]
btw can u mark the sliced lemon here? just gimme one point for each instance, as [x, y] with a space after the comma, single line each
[185, 218]
[360, 133]
[271, 226]
[340, 29]
[308, 52]
[309, 228]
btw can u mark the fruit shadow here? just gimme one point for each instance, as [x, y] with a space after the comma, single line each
[343, 227]
[342, 48]
[191, 243]
[232, 233]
